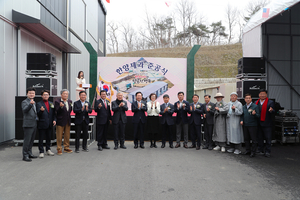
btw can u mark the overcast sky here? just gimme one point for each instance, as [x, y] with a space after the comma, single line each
[133, 11]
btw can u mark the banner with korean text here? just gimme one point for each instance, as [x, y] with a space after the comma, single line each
[147, 75]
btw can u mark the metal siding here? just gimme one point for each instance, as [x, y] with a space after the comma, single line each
[296, 47]
[28, 7]
[8, 71]
[296, 73]
[279, 47]
[77, 17]
[101, 31]
[92, 41]
[78, 62]
[295, 98]
[280, 94]
[92, 19]
[284, 69]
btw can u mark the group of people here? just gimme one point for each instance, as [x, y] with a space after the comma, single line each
[224, 123]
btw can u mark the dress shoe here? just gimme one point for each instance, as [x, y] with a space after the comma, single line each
[86, 150]
[68, 151]
[197, 148]
[205, 147]
[59, 152]
[135, 146]
[246, 153]
[268, 155]
[41, 155]
[163, 146]
[151, 146]
[192, 146]
[76, 150]
[142, 146]
[154, 145]
[171, 146]
[123, 146]
[185, 146]
[252, 155]
[116, 147]
[106, 147]
[50, 153]
[260, 152]
[27, 159]
[177, 145]
[99, 148]
[210, 148]
[32, 156]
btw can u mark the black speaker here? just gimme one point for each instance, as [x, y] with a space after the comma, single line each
[251, 65]
[250, 86]
[42, 83]
[41, 61]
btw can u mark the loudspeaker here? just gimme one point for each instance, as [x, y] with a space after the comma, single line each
[45, 83]
[41, 61]
[251, 65]
[250, 86]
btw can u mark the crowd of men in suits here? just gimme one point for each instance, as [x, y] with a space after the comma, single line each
[224, 123]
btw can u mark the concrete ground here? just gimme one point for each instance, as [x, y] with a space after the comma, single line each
[150, 174]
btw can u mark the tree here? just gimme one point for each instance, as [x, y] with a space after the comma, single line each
[113, 37]
[199, 31]
[128, 35]
[232, 19]
[217, 32]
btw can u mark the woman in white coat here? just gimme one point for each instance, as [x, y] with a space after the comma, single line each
[79, 80]
[153, 109]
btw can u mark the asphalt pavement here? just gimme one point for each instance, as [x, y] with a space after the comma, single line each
[150, 174]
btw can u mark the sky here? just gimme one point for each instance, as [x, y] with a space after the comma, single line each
[133, 11]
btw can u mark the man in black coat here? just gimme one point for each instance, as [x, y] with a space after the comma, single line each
[166, 112]
[47, 120]
[266, 110]
[139, 108]
[209, 110]
[119, 120]
[82, 108]
[195, 121]
[181, 107]
[29, 124]
[102, 108]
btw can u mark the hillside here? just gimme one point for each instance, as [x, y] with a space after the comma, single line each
[210, 61]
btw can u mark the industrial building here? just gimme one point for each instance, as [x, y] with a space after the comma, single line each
[73, 31]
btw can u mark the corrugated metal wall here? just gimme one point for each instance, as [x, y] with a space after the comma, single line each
[281, 39]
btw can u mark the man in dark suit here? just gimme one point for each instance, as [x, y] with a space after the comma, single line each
[139, 108]
[265, 122]
[63, 109]
[29, 124]
[249, 120]
[209, 110]
[195, 121]
[181, 107]
[166, 112]
[119, 120]
[82, 108]
[102, 108]
[46, 114]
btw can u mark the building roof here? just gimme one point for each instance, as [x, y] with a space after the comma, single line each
[276, 7]
[148, 89]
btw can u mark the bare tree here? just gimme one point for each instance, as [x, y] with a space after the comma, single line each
[113, 37]
[232, 20]
[128, 36]
[186, 10]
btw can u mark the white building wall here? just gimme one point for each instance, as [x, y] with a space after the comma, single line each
[77, 17]
[30, 8]
[8, 80]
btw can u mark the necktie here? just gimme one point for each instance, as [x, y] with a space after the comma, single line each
[105, 104]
